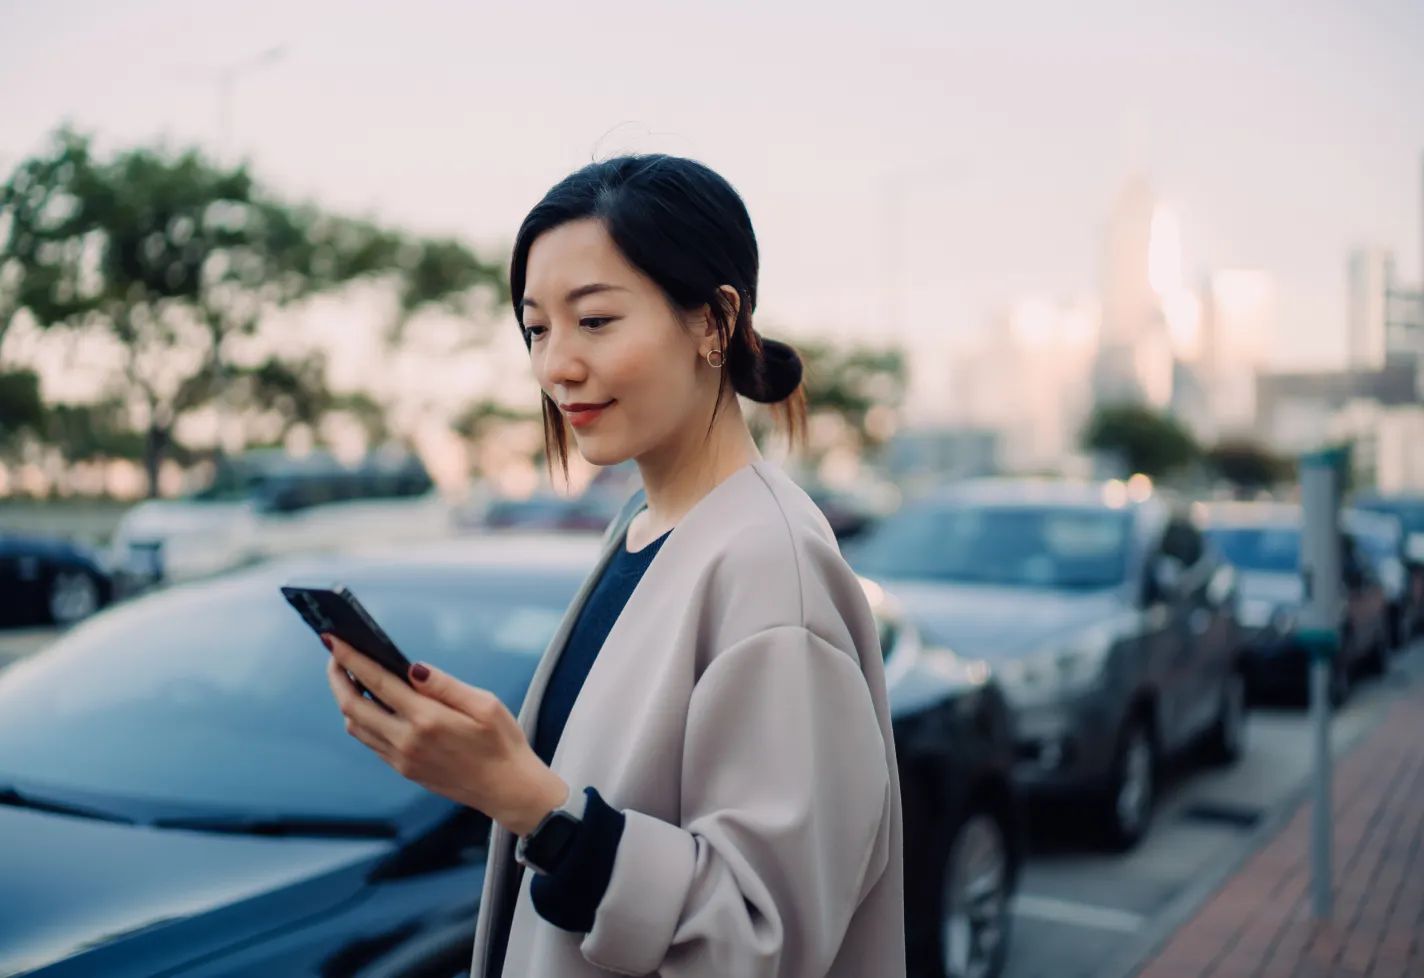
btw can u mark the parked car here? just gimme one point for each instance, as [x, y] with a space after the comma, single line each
[589, 512]
[1409, 510]
[268, 503]
[178, 795]
[1107, 619]
[49, 581]
[1263, 541]
[1380, 540]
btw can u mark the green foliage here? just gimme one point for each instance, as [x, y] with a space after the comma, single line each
[21, 407]
[92, 431]
[1147, 441]
[1248, 465]
[172, 255]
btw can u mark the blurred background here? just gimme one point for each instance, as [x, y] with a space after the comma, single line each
[1077, 286]
[265, 225]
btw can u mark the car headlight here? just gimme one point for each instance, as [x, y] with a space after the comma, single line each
[1061, 669]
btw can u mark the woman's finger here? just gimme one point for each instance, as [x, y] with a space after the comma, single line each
[357, 708]
[387, 688]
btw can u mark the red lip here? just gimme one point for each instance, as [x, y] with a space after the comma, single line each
[582, 413]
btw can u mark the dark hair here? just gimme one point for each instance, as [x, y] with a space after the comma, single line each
[682, 225]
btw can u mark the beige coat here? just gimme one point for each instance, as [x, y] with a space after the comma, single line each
[737, 714]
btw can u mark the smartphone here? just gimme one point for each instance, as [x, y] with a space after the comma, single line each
[335, 611]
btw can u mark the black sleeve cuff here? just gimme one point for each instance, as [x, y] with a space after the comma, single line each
[569, 897]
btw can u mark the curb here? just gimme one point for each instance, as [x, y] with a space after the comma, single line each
[1185, 904]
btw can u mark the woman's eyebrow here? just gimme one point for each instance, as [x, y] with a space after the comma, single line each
[581, 292]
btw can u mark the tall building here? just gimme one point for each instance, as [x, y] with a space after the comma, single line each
[1370, 279]
[1026, 382]
[1238, 323]
[1140, 265]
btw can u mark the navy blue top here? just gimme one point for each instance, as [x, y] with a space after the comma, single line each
[568, 897]
[605, 603]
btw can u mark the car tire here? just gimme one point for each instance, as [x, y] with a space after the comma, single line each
[945, 938]
[976, 887]
[1127, 805]
[72, 596]
[1226, 740]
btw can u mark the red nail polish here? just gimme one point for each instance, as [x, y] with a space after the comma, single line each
[327, 642]
[419, 673]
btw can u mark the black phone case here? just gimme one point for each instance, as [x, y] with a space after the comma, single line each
[335, 611]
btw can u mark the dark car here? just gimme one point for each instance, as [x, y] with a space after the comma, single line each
[1263, 541]
[178, 795]
[49, 581]
[1104, 615]
[589, 512]
[1409, 511]
[1380, 539]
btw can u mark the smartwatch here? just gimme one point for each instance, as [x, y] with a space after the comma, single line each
[543, 849]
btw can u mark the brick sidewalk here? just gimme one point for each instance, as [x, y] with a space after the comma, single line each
[1259, 925]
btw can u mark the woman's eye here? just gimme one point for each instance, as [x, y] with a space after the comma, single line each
[533, 332]
[595, 322]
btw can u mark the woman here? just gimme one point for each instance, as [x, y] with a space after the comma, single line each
[702, 780]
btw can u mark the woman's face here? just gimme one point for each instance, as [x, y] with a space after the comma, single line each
[625, 369]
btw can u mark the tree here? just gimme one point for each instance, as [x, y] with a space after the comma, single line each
[1248, 465]
[1143, 440]
[852, 394]
[22, 409]
[92, 430]
[172, 258]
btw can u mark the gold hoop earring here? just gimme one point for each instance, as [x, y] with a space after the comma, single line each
[715, 359]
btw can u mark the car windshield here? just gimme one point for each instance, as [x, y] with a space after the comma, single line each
[1380, 546]
[1015, 546]
[215, 696]
[1410, 512]
[1270, 549]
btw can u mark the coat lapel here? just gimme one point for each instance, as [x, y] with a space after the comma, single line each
[501, 846]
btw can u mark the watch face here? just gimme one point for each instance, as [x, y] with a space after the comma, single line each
[547, 845]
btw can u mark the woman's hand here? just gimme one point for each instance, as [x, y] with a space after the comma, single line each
[449, 737]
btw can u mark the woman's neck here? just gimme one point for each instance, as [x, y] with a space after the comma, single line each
[677, 479]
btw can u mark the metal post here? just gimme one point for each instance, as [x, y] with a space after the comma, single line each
[1320, 484]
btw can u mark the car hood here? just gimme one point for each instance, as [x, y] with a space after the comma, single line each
[1279, 590]
[996, 623]
[71, 884]
[160, 518]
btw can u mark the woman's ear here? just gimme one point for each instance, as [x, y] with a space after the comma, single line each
[706, 322]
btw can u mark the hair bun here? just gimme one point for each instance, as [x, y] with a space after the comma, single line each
[773, 376]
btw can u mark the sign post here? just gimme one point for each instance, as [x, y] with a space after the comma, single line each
[1321, 484]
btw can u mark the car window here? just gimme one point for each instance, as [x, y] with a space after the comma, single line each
[216, 696]
[1016, 546]
[1266, 549]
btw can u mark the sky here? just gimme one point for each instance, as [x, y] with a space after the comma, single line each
[1281, 133]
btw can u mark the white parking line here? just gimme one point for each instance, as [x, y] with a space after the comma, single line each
[1077, 914]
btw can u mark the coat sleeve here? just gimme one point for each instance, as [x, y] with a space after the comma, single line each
[785, 795]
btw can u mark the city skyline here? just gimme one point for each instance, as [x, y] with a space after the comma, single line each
[1280, 138]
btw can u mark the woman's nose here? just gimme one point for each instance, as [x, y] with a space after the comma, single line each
[563, 361]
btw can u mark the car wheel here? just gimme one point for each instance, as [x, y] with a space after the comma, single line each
[73, 596]
[975, 888]
[1226, 741]
[1132, 790]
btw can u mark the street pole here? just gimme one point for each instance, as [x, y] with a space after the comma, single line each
[227, 78]
[1320, 484]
